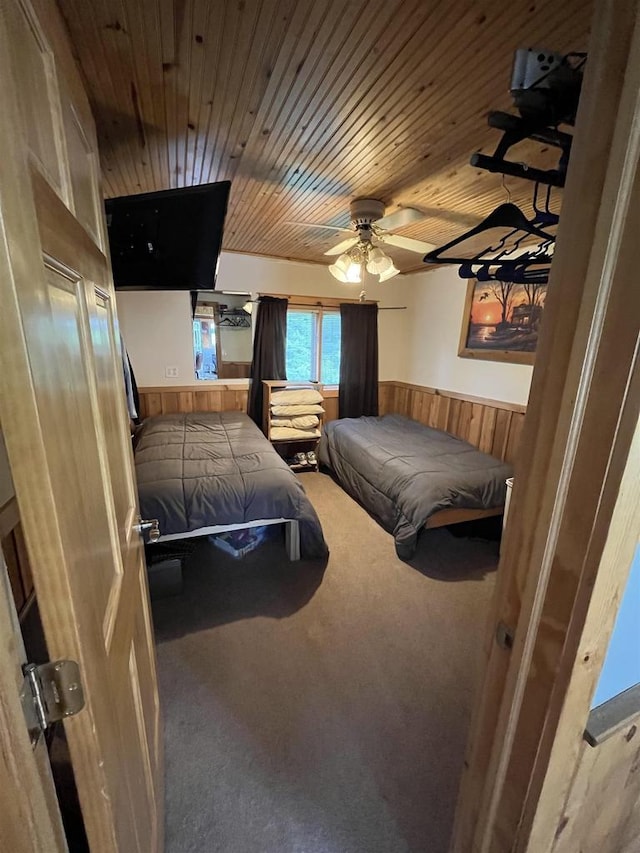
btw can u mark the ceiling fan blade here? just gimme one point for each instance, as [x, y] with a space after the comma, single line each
[316, 225]
[400, 218]
[343, 246]
[407, 243]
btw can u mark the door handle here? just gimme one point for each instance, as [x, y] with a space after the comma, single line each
[152, 525]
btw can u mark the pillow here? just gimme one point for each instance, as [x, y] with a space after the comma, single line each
[287, 432]
[297, 396]
[299, 422]
[294, 411]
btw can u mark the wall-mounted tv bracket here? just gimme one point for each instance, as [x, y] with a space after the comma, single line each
[546, 89]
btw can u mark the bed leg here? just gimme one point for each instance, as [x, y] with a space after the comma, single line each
[292, 538]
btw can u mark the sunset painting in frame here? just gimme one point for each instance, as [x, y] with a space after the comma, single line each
[501, 321]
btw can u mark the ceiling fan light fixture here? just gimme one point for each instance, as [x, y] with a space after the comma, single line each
[347, 269]
[341, 267]
[378, 262]
[354, 273]
[389, 273]
[338, 272]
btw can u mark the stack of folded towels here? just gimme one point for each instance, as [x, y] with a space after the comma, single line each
[296, 414]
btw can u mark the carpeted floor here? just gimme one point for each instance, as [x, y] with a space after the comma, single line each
[313, 709]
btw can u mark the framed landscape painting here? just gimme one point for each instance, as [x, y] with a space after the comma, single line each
[501, 321]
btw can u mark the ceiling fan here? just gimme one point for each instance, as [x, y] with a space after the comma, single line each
[369, 223]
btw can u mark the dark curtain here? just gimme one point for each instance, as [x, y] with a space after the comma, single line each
[269, 345]
[194, 303]
[358, 394]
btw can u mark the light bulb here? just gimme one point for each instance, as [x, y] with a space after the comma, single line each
[387, 274]
[354, 272]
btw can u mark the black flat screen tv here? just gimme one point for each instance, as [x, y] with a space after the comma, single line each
[168, 240]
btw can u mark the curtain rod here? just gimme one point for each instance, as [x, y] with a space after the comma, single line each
[328, 305]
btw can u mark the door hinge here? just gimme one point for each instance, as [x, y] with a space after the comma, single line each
[505, 636]
[50, 692]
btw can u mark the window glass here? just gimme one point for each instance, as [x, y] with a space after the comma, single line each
[302, 345]
[330, 358]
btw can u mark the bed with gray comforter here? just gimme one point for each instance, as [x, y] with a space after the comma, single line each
[199, 470]
[403, 472]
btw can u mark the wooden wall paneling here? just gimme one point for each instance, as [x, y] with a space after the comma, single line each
[170, 403]
[440, 412]
[603, 789]
[185, 401]
[475, 424]
[605, 784]
[207, 401]
[150, 404]
[454, 416]
[386, 397]
[464, 419]
[330, 406]
[482, 423]
[417, 400]
[428, 399]
[501, 433]
[488, 428]
[583, 402]
[514, 440]
[235, 400]
[401, 398]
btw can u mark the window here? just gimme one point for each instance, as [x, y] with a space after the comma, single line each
[313, 345]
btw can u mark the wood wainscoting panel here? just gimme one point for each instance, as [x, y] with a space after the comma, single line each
[490, 425]
[212, 398]
[192, 398]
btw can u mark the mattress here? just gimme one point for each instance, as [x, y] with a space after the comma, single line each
[403, 472]
[198, 470]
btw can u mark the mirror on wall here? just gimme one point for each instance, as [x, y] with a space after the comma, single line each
[222, 336]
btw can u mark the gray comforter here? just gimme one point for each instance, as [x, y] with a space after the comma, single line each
[403, 472]
[203, 469]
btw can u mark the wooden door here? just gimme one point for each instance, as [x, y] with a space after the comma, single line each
[576, 445]
[29, 815]
[64, 419]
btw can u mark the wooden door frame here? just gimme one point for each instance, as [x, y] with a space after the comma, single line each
[583, 410]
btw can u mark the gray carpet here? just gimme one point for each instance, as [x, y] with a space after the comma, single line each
[313, 709]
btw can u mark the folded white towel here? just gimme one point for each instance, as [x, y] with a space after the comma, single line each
[300, 422]
[288, 432]
[297, 396]
[295, 410]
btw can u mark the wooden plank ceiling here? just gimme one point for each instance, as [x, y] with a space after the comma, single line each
[306, 104]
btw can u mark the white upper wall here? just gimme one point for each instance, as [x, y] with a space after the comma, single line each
[417, 345]
[156, 325]
[437, 298]
[157, 331]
